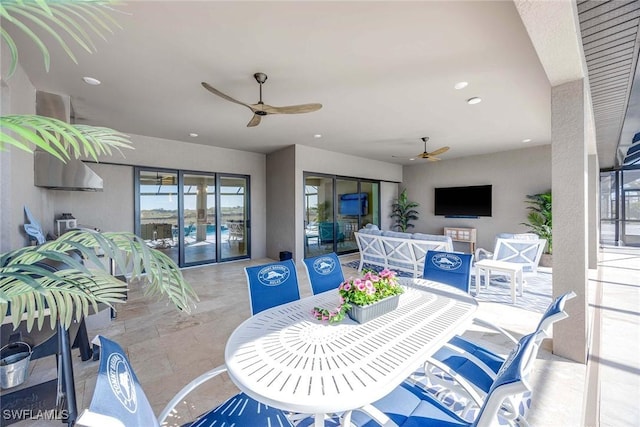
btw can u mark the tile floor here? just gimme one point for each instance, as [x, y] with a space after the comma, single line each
[168, 348]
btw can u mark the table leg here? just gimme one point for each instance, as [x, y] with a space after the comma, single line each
[487, 277]
[520, 276]
[478, 278]
[512, 282]
[346, 419]
[318, 420]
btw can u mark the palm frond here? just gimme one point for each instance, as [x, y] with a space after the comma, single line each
[58, 138]
[55, 18]
[33, 289]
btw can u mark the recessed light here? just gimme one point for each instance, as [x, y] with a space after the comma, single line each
[526, 140]
[460, 85]
[193, 135]
[91, 81]
[474, 100]
[317, 136]
[412, 158]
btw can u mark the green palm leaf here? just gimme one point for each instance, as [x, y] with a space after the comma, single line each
[54, 18]
[58, 138]
[32, 289]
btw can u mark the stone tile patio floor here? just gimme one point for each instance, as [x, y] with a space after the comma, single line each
[168, 348]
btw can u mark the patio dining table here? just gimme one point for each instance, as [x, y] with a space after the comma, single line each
[287, 359]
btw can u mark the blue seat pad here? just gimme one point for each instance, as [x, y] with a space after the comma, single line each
[241, 410]
[466, 368]
[406, 402]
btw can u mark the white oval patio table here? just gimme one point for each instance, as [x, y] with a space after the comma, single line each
[287, 359]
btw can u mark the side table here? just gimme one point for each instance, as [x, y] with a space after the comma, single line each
[514, 270]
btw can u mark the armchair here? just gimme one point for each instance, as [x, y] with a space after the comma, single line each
[525, 249]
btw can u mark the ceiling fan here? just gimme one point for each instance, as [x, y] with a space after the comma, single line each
[430, 156]
[261, 109]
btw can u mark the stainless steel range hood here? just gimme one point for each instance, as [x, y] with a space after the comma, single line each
[49, 171]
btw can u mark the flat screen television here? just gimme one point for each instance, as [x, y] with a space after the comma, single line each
[471, 201]
[353, 204]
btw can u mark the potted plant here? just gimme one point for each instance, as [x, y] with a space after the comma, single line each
[364, 298]
[403, 211]
[539, 221]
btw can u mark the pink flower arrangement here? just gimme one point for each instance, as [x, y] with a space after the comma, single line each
[369, 288]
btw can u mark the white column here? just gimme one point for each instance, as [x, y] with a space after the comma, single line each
[594, 211]
[569, 167]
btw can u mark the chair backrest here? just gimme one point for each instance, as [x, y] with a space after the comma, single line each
[271, 285]
[511, 381]
[448, 267]
[554, 313]
[118, 396]
[523, 251]
[324, 272]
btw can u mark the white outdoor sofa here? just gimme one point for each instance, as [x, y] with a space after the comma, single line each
[398, 251]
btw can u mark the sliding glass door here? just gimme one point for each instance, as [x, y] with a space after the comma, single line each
[193, 217]
[234, 217]
[157, 210]
[620, 207]
[198, 218]
[335, 208]
[320, 230]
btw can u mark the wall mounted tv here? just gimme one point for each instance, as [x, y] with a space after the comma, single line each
[353, 204]
[472, 201]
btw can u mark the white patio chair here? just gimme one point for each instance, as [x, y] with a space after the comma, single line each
[461, 373]
[526, 250]
[410, 405]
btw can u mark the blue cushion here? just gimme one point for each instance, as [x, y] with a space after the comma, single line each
[241, 410]
[272, 284]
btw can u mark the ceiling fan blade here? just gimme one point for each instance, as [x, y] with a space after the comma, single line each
[439, 151]
[255, 121]
[432, 159]
[215, 91]
[291, 109]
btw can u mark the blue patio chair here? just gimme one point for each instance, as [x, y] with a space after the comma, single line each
[324, 272]
[473, 368]
[447, 267]
[408, 405]
[271, 285]
[118, 399]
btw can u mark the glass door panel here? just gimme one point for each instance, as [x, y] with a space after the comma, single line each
[199, 218]
[372, 189]
[352, 204]
[158, 206]
[234, 217]
[319, 218]
[630, 229]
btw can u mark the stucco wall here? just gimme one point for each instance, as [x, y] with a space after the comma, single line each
[513, 175]
[16, 167]
[281, 194]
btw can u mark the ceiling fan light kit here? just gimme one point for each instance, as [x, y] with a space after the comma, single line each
[261, 109]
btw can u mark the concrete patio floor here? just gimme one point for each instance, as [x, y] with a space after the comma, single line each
[167, 348]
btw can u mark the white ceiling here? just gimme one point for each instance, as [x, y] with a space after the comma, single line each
[384, 72]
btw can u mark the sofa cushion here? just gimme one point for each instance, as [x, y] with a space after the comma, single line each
[370, 231]
[435, 237]
[397, 234]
